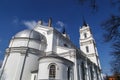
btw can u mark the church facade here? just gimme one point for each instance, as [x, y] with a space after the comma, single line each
[44, 53]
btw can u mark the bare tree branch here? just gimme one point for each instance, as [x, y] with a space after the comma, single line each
[112, 28]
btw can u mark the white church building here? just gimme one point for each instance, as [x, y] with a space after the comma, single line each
[44, 53]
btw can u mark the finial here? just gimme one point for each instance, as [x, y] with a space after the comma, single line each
[84, 22]
[40, 22]
[50, 22]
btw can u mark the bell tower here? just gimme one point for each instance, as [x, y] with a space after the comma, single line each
[87, 44]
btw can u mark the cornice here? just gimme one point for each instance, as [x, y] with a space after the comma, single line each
[24, 38]
[91, 55]
[85, 29]
[86, 38]
[59, 58]
[86, 42]
[23, 50]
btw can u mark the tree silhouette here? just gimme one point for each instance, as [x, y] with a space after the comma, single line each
[112, 28]
[92, 3]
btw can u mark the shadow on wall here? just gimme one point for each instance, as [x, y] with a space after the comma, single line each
[2, 77]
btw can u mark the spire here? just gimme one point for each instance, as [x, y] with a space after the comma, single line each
[84, 22]
[50, 22]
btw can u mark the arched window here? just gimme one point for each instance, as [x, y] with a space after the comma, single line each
[52, 71]
[87, 49]
[85, 35]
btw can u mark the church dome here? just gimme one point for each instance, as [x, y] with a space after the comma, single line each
[31, 34]
[29, 38]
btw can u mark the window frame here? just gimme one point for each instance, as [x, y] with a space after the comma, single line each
[85, 35]
[52, 71]
[87, 49]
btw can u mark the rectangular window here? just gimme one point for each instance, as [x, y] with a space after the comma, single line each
[85, 35]
[87, 49]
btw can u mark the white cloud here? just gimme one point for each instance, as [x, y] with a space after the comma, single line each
[27, 23]
[16, 20]
[60, 23]
[30, 24]
[60, 26]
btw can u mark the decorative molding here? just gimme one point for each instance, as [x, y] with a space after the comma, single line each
[71, 55]
[50, 52]
[64, 54]
[86, 38]
[84, 30]
[50, 32]
[24, 50]
[86, 42]
[25, 38]
[91, 55]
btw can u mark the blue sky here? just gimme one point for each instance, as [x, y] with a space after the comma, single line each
[17, 15]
